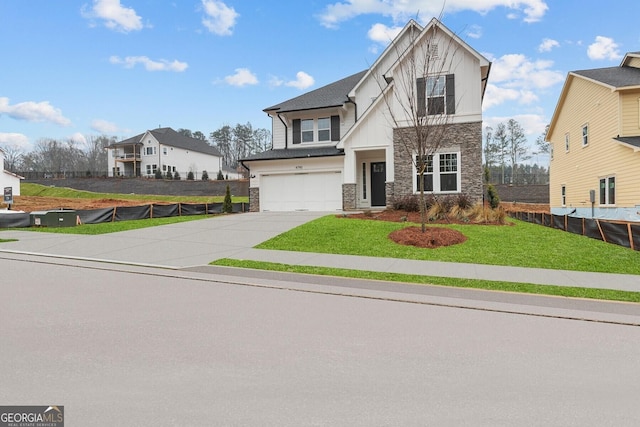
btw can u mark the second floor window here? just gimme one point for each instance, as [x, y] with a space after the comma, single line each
[585, 135]
[436, 95]
[306, 127]
[323, 129]
[149, 151]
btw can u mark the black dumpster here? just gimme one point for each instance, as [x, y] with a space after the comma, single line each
[54, 218]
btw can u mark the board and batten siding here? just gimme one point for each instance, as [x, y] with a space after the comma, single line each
[630, 113]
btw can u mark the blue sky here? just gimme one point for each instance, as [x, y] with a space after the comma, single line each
[71, 69]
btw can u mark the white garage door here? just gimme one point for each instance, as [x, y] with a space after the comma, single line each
[319, 192]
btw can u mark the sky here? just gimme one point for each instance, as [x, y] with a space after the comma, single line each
[78, 68]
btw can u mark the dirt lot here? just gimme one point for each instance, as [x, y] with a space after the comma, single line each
[34, 203]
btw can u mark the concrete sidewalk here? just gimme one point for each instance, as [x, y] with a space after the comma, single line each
[199, 242]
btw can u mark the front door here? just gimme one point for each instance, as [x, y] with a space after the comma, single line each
[378, 181]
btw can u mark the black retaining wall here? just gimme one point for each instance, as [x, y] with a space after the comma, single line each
[156, 187]
[538, 193]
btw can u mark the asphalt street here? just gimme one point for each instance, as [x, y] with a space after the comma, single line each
[134, 345]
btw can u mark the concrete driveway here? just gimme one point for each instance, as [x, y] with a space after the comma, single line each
[175, 245]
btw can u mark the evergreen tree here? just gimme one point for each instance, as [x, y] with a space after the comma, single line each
[227, 206]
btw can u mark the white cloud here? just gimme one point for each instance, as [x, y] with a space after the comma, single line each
[533, 124]
[515, 77]
[382, 34]
[33, 112]
[603, 48]
[220, 18]
[242, 77]
[78, 137]
[547, 45]
[474, 31]
[401, 10]
[275, 81]
[14, 139]
[302, 81]
[116, 16]
[104, 127]
[150, 65]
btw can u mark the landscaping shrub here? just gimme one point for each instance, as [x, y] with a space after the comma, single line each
[463, 201]
[492, 193]
[176, 176]
[227, 206]
[408, 203]
[190, 176]
[220, 176]
[158, 174]
[205, 176]
[169, 175]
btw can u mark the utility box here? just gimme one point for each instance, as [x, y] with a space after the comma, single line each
[55, 218]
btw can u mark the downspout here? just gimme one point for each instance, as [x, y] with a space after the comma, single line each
[355, 106]
[286, 133]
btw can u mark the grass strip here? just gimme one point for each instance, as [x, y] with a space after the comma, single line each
[114, 227]
[528, 288]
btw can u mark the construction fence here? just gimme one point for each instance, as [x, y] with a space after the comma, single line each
[625, 234]
[126, 213]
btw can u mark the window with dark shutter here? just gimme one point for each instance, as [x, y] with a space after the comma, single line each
[421, 87]
[296, 131]
[335, 128]
[451, 94]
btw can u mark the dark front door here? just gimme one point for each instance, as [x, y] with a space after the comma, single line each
[378, 180]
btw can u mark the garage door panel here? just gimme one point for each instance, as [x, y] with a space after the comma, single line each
[308, 191]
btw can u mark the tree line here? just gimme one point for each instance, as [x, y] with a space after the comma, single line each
[505, 151]
[50, 157]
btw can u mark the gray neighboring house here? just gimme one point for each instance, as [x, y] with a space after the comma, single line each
[334, 148]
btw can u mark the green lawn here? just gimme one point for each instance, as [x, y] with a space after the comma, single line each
[521, 244]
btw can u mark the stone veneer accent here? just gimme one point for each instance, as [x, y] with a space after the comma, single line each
[465, 136]
[348, 196]
[254, 199]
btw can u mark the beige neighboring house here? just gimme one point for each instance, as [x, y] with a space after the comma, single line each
[335, 147]
[595, 143]
[8, 179]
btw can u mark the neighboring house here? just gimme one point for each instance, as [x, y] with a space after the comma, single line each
[166, 150]
[595, 143]
[8, 179]
[335, 148]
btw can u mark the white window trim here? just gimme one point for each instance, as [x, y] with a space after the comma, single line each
[436, 177]
[585, 126]
[606, 190]
[316, 131]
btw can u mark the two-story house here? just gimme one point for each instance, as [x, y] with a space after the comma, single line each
[595, 143]
[166, 150]
[343, 146]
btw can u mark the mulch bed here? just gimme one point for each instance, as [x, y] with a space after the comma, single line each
[433, 237]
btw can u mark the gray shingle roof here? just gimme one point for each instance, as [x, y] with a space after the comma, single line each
[171, 138]
[618, 77]
[629, 140]
[295, 153]
[331, 95]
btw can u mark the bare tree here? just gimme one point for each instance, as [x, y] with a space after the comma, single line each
[517, 145]
[12, 157]
[95, 154]
[420, 102]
